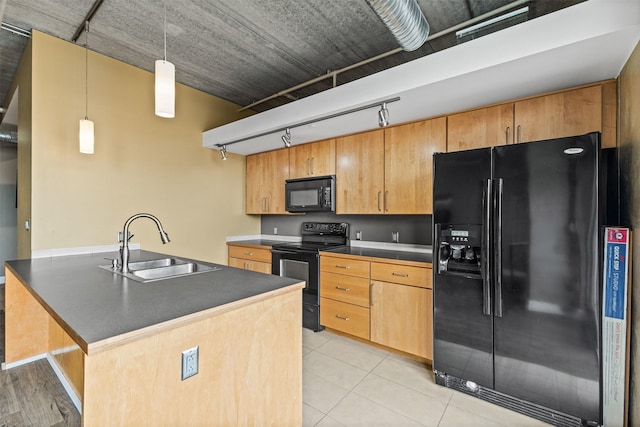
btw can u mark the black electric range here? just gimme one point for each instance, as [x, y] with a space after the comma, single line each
[302, 261]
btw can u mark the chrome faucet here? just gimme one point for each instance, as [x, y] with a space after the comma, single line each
[124, 238]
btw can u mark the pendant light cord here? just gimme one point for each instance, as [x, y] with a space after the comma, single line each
[165, 31]
[86, 71]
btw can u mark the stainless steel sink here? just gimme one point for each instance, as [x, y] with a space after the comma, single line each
[159, 269]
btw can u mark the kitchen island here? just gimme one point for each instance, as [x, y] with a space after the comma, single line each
[119, 342]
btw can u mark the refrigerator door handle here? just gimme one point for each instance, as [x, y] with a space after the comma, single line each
[497, 248]
[486, 236]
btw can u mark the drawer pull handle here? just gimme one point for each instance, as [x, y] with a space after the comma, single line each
[343, 289]
[342, 266]
[400, 274]
[248, 253]
[341, 317]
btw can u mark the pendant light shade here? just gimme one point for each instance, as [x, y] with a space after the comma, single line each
[86, 136]
[165, 89]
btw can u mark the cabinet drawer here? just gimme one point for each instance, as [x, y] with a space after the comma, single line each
[260, 267]
[407, 275]
[350, 289]
[351, 267]
[262, 255]
[344, 317]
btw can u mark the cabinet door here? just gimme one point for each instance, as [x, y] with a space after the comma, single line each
[266, 173]
[408, 160]
[570, 113]
[484, 127]
[254, 192]
[237, 263]
[360, 173]
[401, 317]
[260, 267]
[314, 159]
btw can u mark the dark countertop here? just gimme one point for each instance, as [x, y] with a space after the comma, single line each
[384, 253]
[96, 304]
[257, 242]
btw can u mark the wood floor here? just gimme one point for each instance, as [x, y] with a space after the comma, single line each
[31, 395]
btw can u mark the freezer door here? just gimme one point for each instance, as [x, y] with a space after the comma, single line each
[462, 331]
[547, 306]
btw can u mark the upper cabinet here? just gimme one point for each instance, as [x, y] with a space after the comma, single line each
[314, 159]
[360, 173]
[266, 174]
[484, 127]
[408, 165]
[560, 114]
[573, 112]
[388, 171]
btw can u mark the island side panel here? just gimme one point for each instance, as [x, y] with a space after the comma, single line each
[26, 322]
[250, 372]
[68, 355]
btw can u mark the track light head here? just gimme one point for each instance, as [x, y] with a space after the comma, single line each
[286, 138]
[383, 115]
[223, 152]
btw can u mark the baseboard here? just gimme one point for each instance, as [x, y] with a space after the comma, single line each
[65, 383]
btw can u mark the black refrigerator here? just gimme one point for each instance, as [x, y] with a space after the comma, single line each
[517, 276]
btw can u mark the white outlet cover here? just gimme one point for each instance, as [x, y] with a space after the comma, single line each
[189, 362]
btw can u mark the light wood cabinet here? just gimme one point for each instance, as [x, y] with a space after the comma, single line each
[408, 165]
[401, 308]
[250, 258]
[401, 317]
[560, 114]
[266, 174]
[360, 173]
[388, 171]
[388, 303]
[484, 127]
[314, 159]
[574, 112]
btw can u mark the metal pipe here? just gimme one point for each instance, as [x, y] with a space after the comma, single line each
[333, 74]
[404, 19]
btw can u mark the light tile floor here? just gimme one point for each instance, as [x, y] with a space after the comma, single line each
[349, 383]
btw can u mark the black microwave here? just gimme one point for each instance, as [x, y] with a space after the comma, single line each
[316, 194]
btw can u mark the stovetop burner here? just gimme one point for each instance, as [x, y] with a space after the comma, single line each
[317, 236]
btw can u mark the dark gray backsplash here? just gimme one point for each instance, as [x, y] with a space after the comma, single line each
[414, 229]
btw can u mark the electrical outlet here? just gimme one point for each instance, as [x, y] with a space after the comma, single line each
[275, 230]
[189, 363]
[395, 236]
[358, 235]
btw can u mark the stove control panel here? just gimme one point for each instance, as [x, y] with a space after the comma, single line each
[326, 228]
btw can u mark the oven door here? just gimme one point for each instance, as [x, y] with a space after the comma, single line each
[302, 266]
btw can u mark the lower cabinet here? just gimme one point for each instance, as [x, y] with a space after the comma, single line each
[250, 258]
[401, 317]
[387, 303]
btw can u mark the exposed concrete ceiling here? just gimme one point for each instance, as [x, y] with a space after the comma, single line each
[239, 50]
[584, 43]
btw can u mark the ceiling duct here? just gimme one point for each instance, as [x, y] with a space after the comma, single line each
[404, 19]
[8, 136]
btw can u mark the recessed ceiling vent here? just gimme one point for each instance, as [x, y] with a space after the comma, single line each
[492, 25]
[404, 19]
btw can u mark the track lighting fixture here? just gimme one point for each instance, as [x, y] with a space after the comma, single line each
[383, 115]
[383, 120]
[286, 138]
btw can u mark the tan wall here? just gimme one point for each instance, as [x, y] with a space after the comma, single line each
[22, 84]
[629, 87]
[142, 163]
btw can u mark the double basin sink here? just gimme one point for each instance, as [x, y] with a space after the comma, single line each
[159, 269]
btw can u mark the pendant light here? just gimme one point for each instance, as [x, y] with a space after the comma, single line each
[86, 125]
[165, 81]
